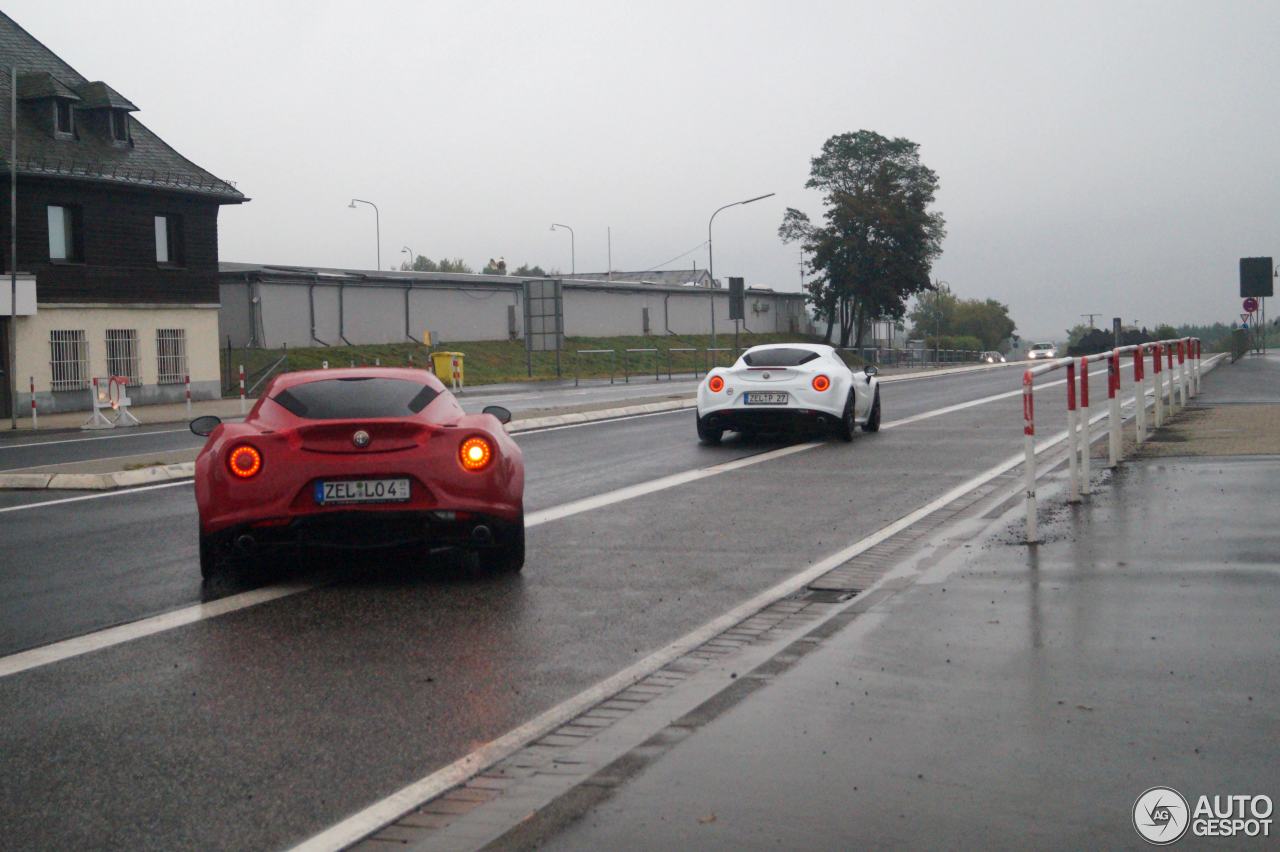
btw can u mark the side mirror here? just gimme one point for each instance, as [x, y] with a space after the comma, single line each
[503, 415]
[871, 370]
[203, 426]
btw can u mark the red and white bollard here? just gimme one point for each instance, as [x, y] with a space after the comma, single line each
[1173, 397]
[1085, 486]
[243, 402]
[457, 375]
[186, 383]
[1029, 447]
[1157, 382]
[1114, 438]
[1073, 435]
[1139, 397]
[35, 416]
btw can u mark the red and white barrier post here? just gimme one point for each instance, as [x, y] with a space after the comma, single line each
[1085, 486]
[35, 416]
[243, 402]
[1029, 447]
[1173, 397]
[1073, 435]
[186, 386]
[1139, 396]
[457, 374]
[1115, 440]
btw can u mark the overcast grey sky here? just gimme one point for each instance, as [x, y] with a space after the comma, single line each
[1113, 157]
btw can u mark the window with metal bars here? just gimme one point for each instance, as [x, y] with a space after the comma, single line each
[68, 359]
[122, 354]
[171, 355]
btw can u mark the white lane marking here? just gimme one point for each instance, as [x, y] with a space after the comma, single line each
[156, 624]
[43, 656]
[365, 822]
[97, 438]
[121, 492]
[96, 459]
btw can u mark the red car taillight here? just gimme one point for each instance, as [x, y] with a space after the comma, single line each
[821, 383]
[244, 462]
[715, 384]
[475, 453]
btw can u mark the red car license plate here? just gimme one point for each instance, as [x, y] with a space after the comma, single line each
[362, 491]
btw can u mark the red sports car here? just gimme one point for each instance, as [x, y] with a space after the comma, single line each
[358, 458]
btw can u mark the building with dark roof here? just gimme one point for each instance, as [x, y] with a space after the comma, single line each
[117, 235]
[661, 277]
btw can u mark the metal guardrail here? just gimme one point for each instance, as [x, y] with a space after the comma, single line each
[626, 369]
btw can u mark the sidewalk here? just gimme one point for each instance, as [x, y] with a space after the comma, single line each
[1005, 696]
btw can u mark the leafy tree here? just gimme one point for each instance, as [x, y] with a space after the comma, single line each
[985, 319]
[1164, 331]
[878, 240]
[934, 313]
[1076, 333]
[495, 267]
[524, 270]
[420, 264]
[457, 264]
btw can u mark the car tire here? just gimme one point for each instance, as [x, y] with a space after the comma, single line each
[845, 428]
[210, 564]
[508, 557]
[873, 419]
[708, 435]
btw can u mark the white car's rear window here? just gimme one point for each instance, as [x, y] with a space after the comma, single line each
[779, 357]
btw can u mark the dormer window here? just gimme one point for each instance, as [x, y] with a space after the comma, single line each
[119, 125]
[63, 123]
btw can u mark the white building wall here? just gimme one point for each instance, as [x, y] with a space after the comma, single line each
[34, 353]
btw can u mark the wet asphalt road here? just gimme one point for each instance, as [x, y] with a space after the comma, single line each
[261, 727]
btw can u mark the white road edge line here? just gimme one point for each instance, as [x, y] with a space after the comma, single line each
[89, 642]
[80, 440]
[365, 822]
[98, 496]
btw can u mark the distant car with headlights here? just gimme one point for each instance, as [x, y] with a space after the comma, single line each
[359, 458]
[1042, 350]
[992, 357]
[784, 386]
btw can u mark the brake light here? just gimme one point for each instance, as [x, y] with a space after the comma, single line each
[821, 383]
[475, 453]
[715, 384]
[245, 461]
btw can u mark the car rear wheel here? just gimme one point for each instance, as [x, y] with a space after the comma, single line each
[873, 419]
[508, 557]
[844, 429]
[708, 435]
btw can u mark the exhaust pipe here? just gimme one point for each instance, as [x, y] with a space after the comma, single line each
[481, 534]
[246, 543]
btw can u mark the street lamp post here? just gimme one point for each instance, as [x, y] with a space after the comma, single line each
[573, 252]
[377, 224]
[412, 256]
[937, 316]
[711, 263]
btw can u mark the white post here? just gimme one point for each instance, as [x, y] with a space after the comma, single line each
[1139, 397]
[35, 415]
[186, 381]
[1157, 385]
[243, 405]
[1029, 448]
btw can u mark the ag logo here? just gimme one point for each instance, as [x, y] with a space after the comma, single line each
[1161, 815]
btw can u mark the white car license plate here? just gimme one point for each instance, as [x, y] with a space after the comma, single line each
[362, 491]
[766, 398]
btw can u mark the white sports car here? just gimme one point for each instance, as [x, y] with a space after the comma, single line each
[783, 385]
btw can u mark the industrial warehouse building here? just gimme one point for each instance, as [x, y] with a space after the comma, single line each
[117, 242]
[274, 306]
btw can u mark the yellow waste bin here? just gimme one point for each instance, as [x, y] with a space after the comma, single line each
[443, 363]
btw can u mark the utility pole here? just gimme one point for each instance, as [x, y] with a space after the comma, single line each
[1090, 317]
[12, 354]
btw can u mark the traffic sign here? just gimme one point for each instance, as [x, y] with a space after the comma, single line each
[1245, 318]
[1251, 304]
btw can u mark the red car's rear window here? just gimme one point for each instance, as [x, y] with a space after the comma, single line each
[353, 398]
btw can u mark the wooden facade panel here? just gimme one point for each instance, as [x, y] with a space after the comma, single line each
[118, 238]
